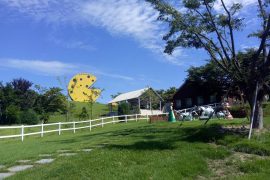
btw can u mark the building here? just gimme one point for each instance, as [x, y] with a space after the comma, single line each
[191, 94]
[147, 104]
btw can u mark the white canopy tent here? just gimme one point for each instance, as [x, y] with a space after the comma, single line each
[136, 95]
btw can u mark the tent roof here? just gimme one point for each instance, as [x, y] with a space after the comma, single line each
[129, 95]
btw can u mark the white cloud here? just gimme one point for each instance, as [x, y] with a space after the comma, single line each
[72, 44]
[228, 3]
[132, 18]
[47, 68]
[55, 68]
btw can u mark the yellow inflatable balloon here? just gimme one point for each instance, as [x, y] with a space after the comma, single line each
[79, 88]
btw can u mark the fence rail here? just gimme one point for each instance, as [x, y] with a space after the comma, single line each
[59, 127]
[40, 128]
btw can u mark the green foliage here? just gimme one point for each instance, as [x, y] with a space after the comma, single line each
[150, 96]
[135, 110]
[84, 114]
[44, 117]
[239, 111]
[54, 101]
[200, 26]
[12, 114]
[167, 95]
[124, 109]
[29, 117]
[17, 97]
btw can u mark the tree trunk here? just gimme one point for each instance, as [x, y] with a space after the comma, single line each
[258, 116]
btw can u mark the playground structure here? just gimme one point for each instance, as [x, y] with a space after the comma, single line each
[206, 112]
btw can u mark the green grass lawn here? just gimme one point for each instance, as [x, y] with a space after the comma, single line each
[146, 151]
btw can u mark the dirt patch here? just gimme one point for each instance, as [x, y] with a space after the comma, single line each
[233, 129]
[225, 168]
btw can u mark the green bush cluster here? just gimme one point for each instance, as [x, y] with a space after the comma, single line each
[20, 103]
[124, 109]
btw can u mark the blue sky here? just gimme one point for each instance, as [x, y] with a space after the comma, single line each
[119, 41]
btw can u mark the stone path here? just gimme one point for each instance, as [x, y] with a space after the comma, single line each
[45, 159]
[68, 154]
[86, 150]
[5, 175]
[19, 168]
[45, 155]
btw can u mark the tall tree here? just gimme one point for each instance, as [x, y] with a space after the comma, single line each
[167, 95]
[200, 26]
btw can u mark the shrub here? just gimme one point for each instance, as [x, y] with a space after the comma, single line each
[12, 114]
[239, 111]
[84, 114]
[135, 110]
[44, 118]
[123, 109]
[29, 117]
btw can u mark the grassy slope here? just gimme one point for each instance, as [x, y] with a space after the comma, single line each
[142, 151]
[98, 110]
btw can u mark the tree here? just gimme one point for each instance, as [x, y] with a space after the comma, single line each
[123, 109]
[151, 97]
[25, 96]
[200, 26]
[50, 101]
[54, 101]
[210, 76]
[167, 95]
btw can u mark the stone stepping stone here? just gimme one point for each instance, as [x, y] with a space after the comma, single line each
[19, 168]
[99, 146]
[63, 151]
[45, 155]
[68, 154]
[44, 161]
[5, 175]
[87, 150]
[23, 161]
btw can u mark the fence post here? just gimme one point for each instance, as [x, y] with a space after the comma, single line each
[22, 132]
[74, 130]
[59, 128]
[90, 125]
[113, 120]
[42, 130]
[126, 118]
[136, 117]
[102, 122]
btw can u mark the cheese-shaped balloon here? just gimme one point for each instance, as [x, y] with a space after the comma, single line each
[79, 88]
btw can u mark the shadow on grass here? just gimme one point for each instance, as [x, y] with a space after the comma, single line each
[144, 145]
[206, 134]
[156, 137]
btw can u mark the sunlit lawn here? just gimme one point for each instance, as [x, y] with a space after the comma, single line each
[143, 151]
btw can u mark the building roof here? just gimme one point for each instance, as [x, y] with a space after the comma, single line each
[129, 95]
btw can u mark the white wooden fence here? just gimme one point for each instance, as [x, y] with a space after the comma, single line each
[75, 125]
[90, 124]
